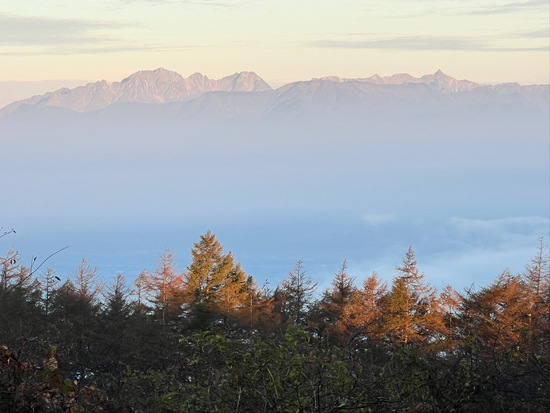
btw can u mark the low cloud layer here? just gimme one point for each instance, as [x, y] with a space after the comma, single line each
[501, 228]
[420, 43]
[511, 7]
[378, 219]
[197, 3]
[45, 31]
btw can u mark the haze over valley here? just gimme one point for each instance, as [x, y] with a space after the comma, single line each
[320, 170]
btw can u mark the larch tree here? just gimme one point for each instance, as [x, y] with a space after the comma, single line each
[335, 300]
[116, 342]
[496, 318]
[537, 279]
[86, 290]
[165, 287]
[74, 312]
[140, 292]
[413, 315]
[86, 283]
[236, 292]
[48, 279]
[214, 282]
[258, 310]
[537, 272]
[116, 299]
[364, 313]
[9, 270]
[19, 297]
[338, 295]
[294, 294]
[449, 306]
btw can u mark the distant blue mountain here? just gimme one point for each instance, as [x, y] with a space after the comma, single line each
[328, 94]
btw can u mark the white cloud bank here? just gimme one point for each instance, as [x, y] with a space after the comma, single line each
[378, 219]
[503, 227]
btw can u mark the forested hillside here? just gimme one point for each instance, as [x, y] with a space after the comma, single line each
[210, 339]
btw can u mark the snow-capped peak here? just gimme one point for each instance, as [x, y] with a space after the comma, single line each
[146, 86]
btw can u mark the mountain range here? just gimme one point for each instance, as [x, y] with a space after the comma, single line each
[162, 86]
[156, 86]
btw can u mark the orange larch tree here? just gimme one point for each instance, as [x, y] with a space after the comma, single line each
[335, 300]
[364, 312]
[164, 287]
[215, 283]
[413, 309]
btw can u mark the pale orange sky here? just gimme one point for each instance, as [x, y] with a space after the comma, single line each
[487, 42]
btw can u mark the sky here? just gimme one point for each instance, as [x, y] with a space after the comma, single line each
[493, 41]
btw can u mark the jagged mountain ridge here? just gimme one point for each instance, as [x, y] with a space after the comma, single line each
[329, 93]
[438, 80]
[151, 86]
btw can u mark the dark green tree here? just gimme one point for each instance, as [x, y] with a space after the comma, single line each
[294, 295]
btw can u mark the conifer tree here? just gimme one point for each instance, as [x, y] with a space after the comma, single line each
[235, 291]
[495, 319]
[258, 309]
[48, 279]
[215, 283]
[364, 314]
[86, 283]
[449, 305]
[83, 293]
[335, 300]
[19, 298]
[140, 292]
[337, 297]
[164, 286]
[537, 280]
[9, 270]
[537, 273]
[208, 271]
[116, 299]
[413, 314]
[116, 336]
[294, 294]
[75, 324]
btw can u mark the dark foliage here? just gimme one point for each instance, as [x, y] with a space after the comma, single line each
[210, 340]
